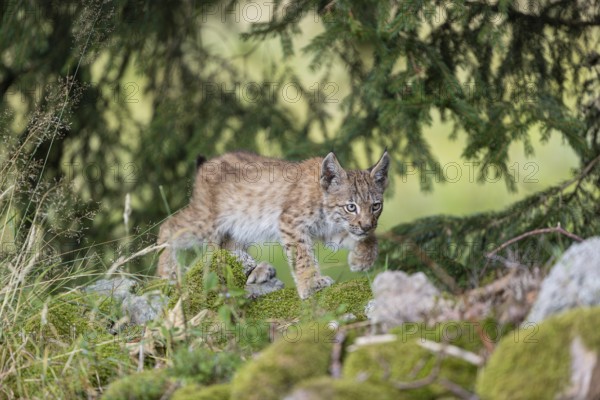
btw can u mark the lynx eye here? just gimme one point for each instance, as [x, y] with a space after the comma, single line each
[350, 207]
[376, 207]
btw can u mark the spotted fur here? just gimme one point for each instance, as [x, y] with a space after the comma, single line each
[242, 198]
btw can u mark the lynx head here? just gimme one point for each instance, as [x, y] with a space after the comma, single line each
[354, 199]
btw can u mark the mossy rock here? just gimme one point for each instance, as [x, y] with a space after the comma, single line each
[281, 304]
[347, 297]
[146, 385]
[203, 366]
[197, 392]
[326, 388]
[535, 361]
[297, 356]
[344, 297]
[404, 360]
[74, 314]
[204, 285]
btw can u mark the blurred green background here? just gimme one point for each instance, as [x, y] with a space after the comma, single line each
[140, 88]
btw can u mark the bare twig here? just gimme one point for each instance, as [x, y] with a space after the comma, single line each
[457, 390]
[556, 229]
[336, 354]
[428, 380]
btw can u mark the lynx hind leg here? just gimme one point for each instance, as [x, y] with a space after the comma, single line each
[180, 231]
[363, 255]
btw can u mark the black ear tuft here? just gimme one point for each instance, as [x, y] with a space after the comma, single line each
[331, 171]
[379, 171]
[200, 160]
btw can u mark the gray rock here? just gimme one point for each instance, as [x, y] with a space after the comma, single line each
[574, 281]
[141, 309]
[248, 263]
[254, 290]
[401, 298]
[117, 288]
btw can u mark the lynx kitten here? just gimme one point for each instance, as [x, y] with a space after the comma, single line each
[241, 198]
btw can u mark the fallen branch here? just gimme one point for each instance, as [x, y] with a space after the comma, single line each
[336, 354]
[369, 340]
[556, 229]
[457, 390]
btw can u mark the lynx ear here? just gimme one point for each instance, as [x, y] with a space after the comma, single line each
[331, 171]
[379, 171]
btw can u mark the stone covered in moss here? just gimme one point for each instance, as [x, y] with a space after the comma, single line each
[347, 297]
[203, 366]
[204, 284]
[535, 361]
[197, 392]
[326, 388]
[282, 304]
[300, 354]
[404, 360]
[146, 385]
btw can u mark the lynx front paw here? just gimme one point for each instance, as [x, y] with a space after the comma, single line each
[363, 255]
[307, 289]
[362, 261]
[262, 273]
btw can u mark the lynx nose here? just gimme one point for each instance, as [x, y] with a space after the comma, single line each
[366, 227]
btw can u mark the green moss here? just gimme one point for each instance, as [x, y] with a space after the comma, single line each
[203, 366]
[404, 360]
[281, 304]
[326, 388]
[534, 362]
[147, 385]
[292, 359]
[73, 314]
[101, 361]
[347, 297]
[197, 392]
[205, 286]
